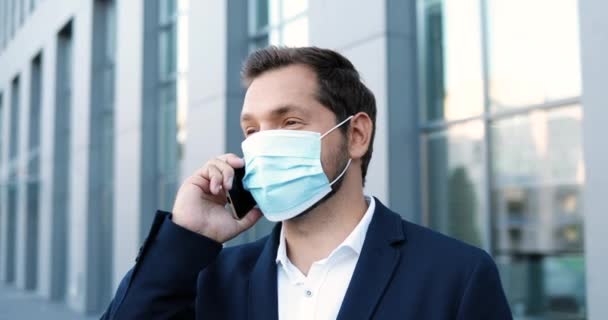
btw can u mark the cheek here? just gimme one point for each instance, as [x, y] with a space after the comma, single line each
[333, 153]
[328, 151]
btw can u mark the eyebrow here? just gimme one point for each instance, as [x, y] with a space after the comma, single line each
[280, 111]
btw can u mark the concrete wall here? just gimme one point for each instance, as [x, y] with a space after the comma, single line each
[594, 50]
[379, 37]
[365, 44]
[207, 94]
[39, 34]
[217, 46]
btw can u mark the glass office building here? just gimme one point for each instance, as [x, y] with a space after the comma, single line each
[483, 133]
[501, 140]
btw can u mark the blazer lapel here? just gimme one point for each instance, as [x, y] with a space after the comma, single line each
[377, 262]
[263, 302]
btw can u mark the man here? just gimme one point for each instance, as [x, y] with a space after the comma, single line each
[308, 122]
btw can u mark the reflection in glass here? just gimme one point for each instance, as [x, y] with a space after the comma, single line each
[168, 150]
[453, 68]
[13, 180]
[261, 14]
[33, 174]
[535, 60]
[167, 46]
[538, 172]
[172, 91]
[166, 11]
[1, 137]
[278, 22]
[62, 134]
[455, 181]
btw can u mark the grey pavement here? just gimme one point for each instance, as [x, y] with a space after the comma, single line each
[20, 305]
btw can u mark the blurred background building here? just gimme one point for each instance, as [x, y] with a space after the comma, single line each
[106, 105]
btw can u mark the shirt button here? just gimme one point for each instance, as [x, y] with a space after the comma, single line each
[308, 293]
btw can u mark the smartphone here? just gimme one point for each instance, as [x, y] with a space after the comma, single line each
[239, 200]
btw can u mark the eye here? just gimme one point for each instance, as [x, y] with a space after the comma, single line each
[291, 122]
[250, 131]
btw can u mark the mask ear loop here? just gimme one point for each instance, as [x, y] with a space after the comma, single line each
[341, 174]
[349, 160]
[336, 126]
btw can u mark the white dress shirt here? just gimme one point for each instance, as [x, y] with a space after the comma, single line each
[319, 295]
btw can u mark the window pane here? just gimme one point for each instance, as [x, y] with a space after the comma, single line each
[454, 177]
[453, 68]
[295, 33]
[168, 147]
[15, 109]
[167, 57]
[536, 59]
[259, 42]
[21, 12]
[166, 10]
[261, 14]
[34, 117]
[107, 88]
[266, 13]
[107, 162]
[544, 288]
[11, 234]
[167, 130]
[32, 231]
[109, 30]
[1, 130]
[172, 67]
[538, 173]
[272, 25]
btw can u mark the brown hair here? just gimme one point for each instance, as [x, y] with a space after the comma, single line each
[339, 85]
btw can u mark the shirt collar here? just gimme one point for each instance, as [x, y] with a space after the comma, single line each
[354, 241]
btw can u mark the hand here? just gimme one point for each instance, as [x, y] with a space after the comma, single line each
[201, 200]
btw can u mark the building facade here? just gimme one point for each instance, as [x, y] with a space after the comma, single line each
[489, 129]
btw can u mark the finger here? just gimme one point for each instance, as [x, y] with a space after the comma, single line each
[203, 172]
[215, 178]
[233, 160]
[250, 218]
[227, 172]
[201, 183]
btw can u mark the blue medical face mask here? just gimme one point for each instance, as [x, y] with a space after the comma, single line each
[283, 171]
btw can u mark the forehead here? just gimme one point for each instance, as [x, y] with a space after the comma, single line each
[294, 86]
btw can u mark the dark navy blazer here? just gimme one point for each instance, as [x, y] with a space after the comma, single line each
[405, 271]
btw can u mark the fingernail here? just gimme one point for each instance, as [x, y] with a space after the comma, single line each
[230, 182]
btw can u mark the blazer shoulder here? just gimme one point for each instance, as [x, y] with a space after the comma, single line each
[241, 255]
[443, 247]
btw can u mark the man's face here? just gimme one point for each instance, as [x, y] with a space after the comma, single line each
[285, 99]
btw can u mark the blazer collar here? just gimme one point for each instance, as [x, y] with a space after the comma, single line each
[263, 301]
[377, 262]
